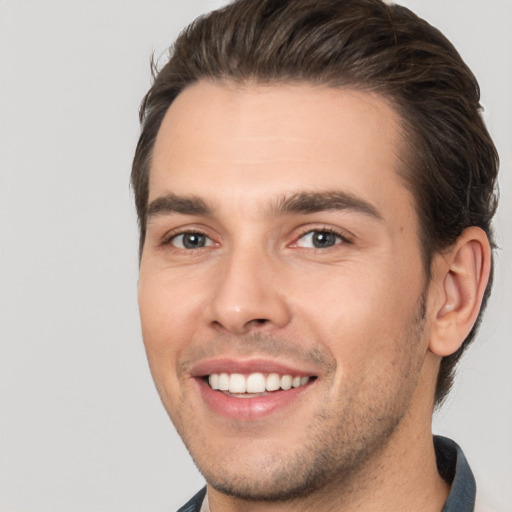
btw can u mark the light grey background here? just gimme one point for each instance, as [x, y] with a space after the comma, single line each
[81, 426]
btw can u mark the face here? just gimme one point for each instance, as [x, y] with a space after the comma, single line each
[281, 284]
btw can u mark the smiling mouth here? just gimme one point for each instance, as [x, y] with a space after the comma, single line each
[254, 384]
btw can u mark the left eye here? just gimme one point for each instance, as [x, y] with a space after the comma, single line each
[319, 239]
[191, 241]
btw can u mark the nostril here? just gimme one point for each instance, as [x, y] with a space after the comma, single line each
[256, 323]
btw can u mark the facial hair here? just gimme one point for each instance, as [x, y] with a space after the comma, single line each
[346, 434]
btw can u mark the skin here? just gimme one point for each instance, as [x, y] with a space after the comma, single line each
[358, 315]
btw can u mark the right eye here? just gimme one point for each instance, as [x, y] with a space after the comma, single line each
[191, 240]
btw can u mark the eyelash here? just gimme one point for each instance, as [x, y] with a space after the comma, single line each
[324, 229]
[175, 234]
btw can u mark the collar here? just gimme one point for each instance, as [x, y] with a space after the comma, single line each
[454, 468]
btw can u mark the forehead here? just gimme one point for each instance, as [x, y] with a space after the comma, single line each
[249, 143]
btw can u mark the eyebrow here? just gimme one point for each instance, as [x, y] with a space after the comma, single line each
[298, 203]
[172, 203]
[312, 202]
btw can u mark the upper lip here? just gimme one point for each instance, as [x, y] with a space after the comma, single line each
[246, 366]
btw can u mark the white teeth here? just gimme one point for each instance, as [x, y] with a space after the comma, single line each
[286, 382]
[273, 382]
[224, 382]
[254, 383]
[237, 383]
[214, 380]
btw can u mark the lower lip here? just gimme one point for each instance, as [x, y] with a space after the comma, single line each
[250, 409]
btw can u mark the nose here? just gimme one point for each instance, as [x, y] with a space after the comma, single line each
[247, 295]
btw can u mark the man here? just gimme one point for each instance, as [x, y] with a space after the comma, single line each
[315, 189]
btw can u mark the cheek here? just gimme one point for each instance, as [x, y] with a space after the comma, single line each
[169, 318]
[361, 315]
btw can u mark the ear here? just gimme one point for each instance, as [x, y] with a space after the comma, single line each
[461, 275]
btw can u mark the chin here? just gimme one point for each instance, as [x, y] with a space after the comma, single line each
[313, 460]
[271, 480]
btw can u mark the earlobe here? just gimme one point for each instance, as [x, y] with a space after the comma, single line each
[462, 274]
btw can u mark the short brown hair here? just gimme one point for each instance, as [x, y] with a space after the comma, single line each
[451, 163]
